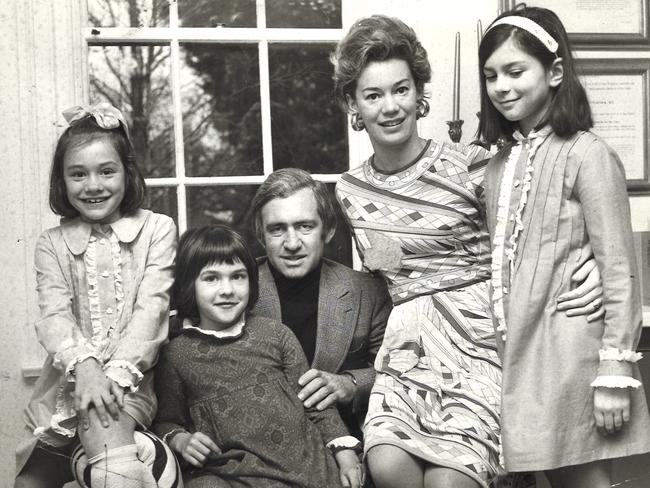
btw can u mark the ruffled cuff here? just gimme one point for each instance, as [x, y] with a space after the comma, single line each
[614, 381]
[69, 371]
[123, 373]
[614, 354]
[71, 352]
[342, 443]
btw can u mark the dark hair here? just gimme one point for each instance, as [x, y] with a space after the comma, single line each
[377, 38]
[201, 247]
[283, 183]
[569, 111]
[85, 131]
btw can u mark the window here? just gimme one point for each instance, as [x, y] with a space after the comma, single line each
[218, 95]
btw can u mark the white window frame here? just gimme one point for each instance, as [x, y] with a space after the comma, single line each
[173, 36]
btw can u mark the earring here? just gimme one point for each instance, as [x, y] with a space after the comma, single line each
[357, 122]
[422, 109]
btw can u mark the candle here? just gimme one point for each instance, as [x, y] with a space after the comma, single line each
[456, 98]
[479, 32]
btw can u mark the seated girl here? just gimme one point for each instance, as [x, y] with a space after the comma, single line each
[227, 384]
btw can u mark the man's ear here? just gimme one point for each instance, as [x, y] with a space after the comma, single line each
[352, 104]
[556, 73]
[329, 235]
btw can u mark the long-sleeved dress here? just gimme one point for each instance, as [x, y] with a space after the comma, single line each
[547, 197]
[242, 392]
[103, 292]
[437, 390]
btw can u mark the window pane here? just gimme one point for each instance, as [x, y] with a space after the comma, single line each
[163, 199]
[304, 13]
[128, 13]
[308, 127]
[135, 79]
[217, 13]
[220, 92]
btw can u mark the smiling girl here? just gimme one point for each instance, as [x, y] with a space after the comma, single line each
[228, 382]
[103, 279]
[572, 399]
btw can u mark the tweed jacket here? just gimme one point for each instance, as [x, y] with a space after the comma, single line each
[353, 308]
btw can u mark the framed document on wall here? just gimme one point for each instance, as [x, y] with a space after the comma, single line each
[599, 24]
[619, 96]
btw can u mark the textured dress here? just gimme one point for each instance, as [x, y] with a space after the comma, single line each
[547, 197]
[242, 392]
[103, 293]
[437, 390]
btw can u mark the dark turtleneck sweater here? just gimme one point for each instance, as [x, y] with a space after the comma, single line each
[299, 307]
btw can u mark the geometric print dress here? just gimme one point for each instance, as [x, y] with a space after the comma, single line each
[437, 390]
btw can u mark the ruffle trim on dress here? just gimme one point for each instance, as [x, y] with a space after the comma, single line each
[116, 257]
[70, 350]
[69, 372]
[123, 373]
[615, 382]
[498, 242]
[90, 261]
[614, 354]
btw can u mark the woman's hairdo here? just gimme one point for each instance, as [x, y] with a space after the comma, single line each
[377, 38]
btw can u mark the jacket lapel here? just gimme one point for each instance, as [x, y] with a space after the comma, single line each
[268, 304]
[338, 307]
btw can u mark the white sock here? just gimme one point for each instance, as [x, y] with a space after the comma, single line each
[120, 468]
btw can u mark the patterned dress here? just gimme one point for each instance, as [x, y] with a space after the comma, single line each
[242, 392]
[437, 391]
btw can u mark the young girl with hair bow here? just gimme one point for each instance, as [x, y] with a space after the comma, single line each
[103, 280]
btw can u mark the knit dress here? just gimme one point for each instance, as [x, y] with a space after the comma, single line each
[547, 197]
[242, 392]
[437, 390]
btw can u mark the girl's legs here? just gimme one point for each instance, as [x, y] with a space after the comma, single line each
[392, 467]
[589, 475]
[113, 455]
[47, 467]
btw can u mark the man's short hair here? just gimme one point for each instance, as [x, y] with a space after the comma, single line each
[283, 183]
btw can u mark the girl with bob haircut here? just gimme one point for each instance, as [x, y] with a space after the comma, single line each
[415, 211]
[103, 280]
[572, 399]
[227, 383]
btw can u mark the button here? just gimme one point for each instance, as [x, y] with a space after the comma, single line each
[505, 290]
[105, 274]
[512, 218]
[517, 183]
[109, 311]
[102, 241]
[92, 239]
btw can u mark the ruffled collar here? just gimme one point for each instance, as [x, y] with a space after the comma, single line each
[232, 332]
[76, 232]
[532, 135]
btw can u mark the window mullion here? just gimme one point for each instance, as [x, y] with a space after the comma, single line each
[265, 91]
[179, 148]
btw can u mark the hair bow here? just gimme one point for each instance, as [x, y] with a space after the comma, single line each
[106, 116]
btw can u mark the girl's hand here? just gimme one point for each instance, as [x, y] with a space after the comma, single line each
[195, 448]
[351, 471]
[93, 387]
[587, 297]
[611, 409]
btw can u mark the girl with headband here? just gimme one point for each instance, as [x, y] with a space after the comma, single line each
[571, 395]
[103, 282]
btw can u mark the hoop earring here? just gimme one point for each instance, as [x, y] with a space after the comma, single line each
[422, 109]
[357, 122]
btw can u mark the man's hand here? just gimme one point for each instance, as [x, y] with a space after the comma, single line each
[194, 448]
[323, 389]
[587, 297]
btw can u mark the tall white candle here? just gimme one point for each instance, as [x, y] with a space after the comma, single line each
[456, 98]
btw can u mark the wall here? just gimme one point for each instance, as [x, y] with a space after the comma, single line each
[41, 74]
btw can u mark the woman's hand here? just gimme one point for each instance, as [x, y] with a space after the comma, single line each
[611, 409]
[351, 471]
[94, 388]
[194, 448]
[587, 297]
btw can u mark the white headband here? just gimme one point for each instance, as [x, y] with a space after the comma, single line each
[530, 26]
